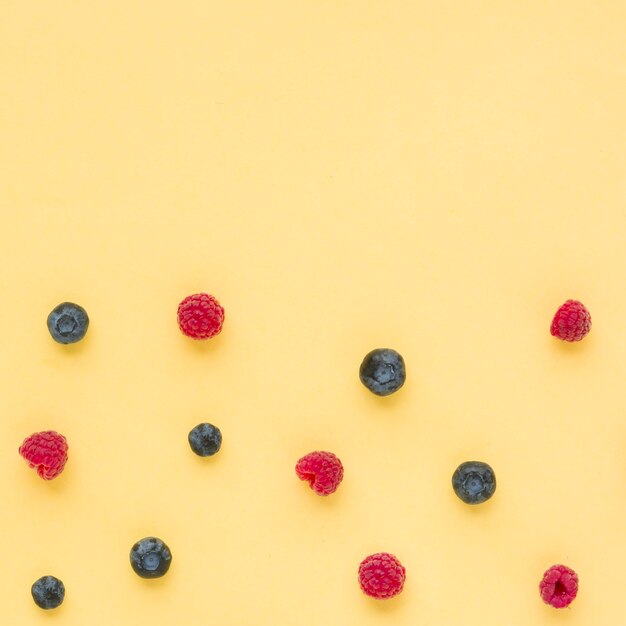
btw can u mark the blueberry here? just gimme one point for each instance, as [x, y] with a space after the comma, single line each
[205, 439]
[68, 322]
[150, 558]
[383, 371]
[48, 592]
[474, 482]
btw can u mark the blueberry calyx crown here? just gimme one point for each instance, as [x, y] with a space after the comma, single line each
[474, 482]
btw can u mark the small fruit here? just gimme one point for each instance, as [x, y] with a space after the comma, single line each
[381, 576]
[382, 371]
[68, 322]
[474, 482]
[150, 558]
[48, 592]
[572, 322]
[46, 451]
[200, 316]
[559, 586]
[205, 439]
[322, 470]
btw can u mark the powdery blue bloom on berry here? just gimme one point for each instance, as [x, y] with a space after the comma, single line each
[474, 482]
[205, 439]
[150, 558]
[383, 371]
[48, 592]
[68, 323]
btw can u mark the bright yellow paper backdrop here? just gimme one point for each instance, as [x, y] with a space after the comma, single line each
[436, 177]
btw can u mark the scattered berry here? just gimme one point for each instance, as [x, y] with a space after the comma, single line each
[474, 482]
[68, 322]
[46, 451]
[383, 371]
[572, 322]
[322, 470]
[559, 586]
[381, 576]
[205, 439]
[150, 558]
[48, 592]
[200, 316]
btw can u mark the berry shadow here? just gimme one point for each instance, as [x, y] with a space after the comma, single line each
[388, 606]
[50, 490]
[201, 346]
[331, 501]
[70, 350]
[154, 584]
[475, 510]
[205, 461]
[48, 614]
[375, 406]
[569, 349]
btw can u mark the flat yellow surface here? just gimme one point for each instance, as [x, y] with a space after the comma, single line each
[436, 177]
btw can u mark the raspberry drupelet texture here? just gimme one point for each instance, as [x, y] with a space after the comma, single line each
[200, 316]
[322, 470]
[47, 452]
[559, 586]
[572, 322]
[381, 576]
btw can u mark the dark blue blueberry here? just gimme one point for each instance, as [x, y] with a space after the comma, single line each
[68, 322]
[48, 592]
[474, 482]
[150, 558]
[383, 371]
[205, 439]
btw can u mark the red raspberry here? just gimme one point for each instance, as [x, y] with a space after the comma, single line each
[571, 322]
[323, 471]
[47, 451]
[559, 586]
[381, 576]
[200, 316]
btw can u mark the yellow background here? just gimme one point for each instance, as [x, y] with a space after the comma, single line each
[436, 177]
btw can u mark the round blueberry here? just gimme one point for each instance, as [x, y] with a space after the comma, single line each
[48, 592]
[474, 482]
[383, 371]
[150, 558]
[205, 439]
[68, 322]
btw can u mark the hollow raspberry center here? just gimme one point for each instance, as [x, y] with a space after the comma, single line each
[310, 478]
[560, 589]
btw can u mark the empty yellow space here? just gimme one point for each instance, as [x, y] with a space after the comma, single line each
[432, 176]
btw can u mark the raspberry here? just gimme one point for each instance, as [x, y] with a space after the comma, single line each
[381, 576]
[200, 316]
[559, 586]
[47, 451]
[571, 322]
[323, 471]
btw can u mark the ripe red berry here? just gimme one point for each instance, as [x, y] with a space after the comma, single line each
[322, 470]
[46, 451]
[200, 316]
[571, 322]
[381, 576]
[559, 586]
